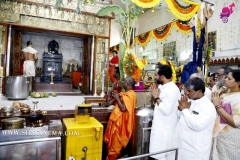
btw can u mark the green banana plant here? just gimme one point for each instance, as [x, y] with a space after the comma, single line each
[125, 17]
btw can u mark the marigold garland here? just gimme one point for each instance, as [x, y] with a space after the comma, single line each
[143, 39]
[146, 3]
[132, 66]
[182, 27]
[181, 12]
[162, 33]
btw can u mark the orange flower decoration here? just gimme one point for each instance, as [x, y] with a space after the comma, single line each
[137, 75]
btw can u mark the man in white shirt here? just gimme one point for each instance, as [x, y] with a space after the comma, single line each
[29, 56]
[195, 126]
[165, 117]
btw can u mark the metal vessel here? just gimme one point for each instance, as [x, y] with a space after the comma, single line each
[12, 123]
[17, 87]
[141, 133]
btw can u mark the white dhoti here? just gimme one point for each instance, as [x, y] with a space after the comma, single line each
[29, 68]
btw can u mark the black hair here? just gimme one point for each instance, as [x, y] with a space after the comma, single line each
[195, 84]
[236, 75]
[29, 43]
[213, 75]
[114, 51]
[165, 70]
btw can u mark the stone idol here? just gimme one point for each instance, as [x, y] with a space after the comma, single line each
[52, 64]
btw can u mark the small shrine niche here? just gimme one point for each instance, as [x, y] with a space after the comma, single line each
[52, 64]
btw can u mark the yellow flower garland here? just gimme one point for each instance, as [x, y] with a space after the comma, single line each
[184, 16]
[146, 3]
[182, 28]
[145, 41]
[163, 36]
[136, 72]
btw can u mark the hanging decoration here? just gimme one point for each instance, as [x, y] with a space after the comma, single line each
[162, 33]
[144, 38]
[146, 3]
[183, 13]
[171, 64]
[184, 28]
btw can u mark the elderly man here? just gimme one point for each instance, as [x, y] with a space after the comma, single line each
[165, 117]
[29, 56]
[195, 126]
[220, 76]
[120, 125]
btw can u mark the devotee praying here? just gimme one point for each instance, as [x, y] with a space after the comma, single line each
[120, 124]
[29, 56]
[196, 121]
[165, 118]
[207, 90]
[226, 134]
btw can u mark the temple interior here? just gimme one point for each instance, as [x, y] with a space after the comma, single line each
[62, 108]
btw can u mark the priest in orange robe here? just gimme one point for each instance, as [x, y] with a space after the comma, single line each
[121, 121]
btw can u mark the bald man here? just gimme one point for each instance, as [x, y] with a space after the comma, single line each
[120, 124]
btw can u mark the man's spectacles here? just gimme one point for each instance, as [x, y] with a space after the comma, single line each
[219, 75]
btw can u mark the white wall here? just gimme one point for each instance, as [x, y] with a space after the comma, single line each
[116, 30]
[228, 34]
[149, 21]
[70, 47]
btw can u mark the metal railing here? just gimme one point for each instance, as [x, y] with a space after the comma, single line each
[154, 153]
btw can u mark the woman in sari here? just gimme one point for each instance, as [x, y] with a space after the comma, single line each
[226, 134]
